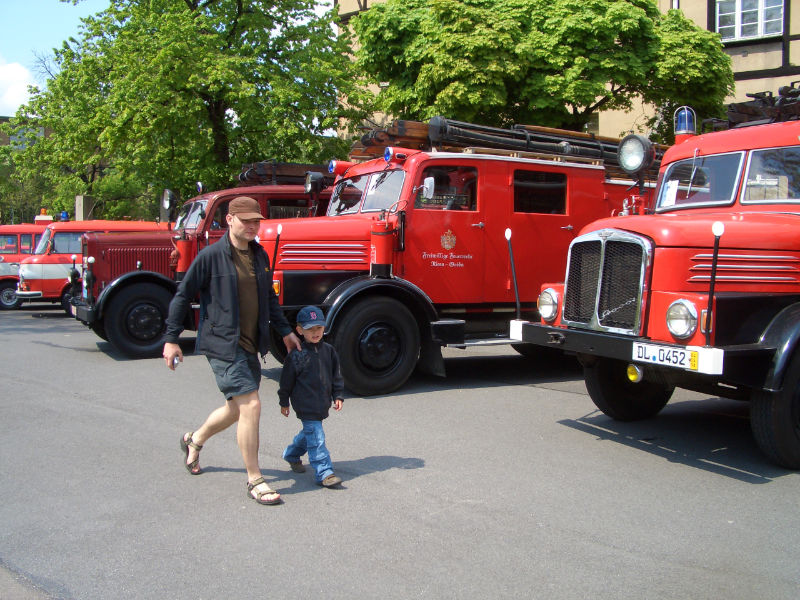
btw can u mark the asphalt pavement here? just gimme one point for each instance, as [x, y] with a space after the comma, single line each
[500, 481]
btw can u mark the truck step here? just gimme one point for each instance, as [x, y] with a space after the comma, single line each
[484, 342]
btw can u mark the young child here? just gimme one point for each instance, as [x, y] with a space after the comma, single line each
[311, 381]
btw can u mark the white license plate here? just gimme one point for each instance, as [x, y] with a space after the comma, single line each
[668, 356]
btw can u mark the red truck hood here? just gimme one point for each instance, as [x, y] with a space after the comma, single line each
[310, 229]
[778, 230]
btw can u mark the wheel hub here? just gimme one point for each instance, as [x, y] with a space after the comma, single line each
[8, 296]
[144, 322]
[379, 347]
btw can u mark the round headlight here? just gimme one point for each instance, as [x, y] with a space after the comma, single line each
[636, 153]
[682, 318]
[548, 304]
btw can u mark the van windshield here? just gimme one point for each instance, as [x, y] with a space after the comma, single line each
[373, 192]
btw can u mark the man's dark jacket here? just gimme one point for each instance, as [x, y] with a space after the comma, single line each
[212, 275]
[312, 379]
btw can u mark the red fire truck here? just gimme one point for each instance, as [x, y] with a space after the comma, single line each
[16, 242]
[700, 289]
[45, 274]
[131, 278]
[412, 255]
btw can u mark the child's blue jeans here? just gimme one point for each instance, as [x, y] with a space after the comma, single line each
[311, 439]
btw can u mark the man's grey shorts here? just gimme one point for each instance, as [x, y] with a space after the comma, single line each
[241, 376]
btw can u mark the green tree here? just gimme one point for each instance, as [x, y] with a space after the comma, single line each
[548, 62]
[163, 93]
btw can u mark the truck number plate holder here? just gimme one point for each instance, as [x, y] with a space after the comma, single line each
[669, 356]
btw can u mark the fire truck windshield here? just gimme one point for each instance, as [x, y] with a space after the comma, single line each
[190, 215]
[373, 192]
[700, 181]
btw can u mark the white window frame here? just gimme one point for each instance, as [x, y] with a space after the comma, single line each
[743, 25]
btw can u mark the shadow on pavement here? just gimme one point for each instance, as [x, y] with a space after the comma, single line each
[712, 435]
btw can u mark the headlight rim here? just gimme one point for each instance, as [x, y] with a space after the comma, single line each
[555, 301]
[692, 318]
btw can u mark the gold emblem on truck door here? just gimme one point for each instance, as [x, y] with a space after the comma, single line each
[448, 240]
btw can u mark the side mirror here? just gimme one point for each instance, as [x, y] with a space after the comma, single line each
[428, 186]
[168, 199]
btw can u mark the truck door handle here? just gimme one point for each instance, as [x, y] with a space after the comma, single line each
[568, 227]
[481, 225]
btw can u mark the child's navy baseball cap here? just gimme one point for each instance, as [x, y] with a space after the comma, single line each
[309, 316]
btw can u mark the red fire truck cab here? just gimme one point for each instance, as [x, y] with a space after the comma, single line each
[45, 274]
[131, 278]
[411, 255]
[16, 242]
[701, 289]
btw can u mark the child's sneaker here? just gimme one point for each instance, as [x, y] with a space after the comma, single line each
[330, 481]
[298, 467]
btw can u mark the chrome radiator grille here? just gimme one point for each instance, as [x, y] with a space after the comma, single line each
[604, 281]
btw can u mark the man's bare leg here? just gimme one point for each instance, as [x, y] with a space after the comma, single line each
[219, 420]
[249, 406]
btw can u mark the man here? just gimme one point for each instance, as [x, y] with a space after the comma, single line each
[237, 307]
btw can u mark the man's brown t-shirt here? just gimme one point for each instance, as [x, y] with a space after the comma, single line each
[248, 299]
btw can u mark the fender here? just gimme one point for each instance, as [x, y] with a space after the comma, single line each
[782, 333]
[408, 293]
[133, 277]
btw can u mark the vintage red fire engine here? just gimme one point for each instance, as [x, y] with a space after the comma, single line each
[700, 290]
[44, 276]
[16, 243]
[412, 255]
[130, 278]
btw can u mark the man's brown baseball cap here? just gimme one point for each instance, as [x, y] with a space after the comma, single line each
[245, 207]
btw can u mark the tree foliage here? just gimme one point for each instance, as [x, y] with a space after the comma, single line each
[163, 93]
[549, 62]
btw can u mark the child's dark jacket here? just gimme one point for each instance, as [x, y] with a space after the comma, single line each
[311, 379]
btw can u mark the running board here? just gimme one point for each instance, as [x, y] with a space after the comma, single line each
[484, 342]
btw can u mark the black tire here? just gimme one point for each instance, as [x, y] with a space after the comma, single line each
[618, 397]
[378, 345]
[775, 419]
[8, 295]
[66, 304]
[136, 319]
[99, 330]
[277, 347]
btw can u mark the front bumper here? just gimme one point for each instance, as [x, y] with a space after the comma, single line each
[85, 313]
[28, 295]
[735, 363]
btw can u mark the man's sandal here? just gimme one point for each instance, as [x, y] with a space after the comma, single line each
[194, 466]
[269, 496]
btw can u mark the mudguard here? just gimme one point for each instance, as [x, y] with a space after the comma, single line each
[782, 333]
[131, 278]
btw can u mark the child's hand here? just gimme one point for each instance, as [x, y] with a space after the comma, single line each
[337, 404]
[285, 411]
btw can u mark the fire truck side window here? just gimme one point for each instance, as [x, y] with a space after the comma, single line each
[773, 176]
[67, 243]
[219, 221]
[26, 243]
[540, 192]
[8, 244]
[455, 188]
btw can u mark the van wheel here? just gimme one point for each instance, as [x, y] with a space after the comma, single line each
[613, 393]
[8, 295]
[136, 319]
[66, 305]
[775, 419]
[378, 345]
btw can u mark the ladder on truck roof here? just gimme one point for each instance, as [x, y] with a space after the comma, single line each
[272, 172]
[456, 136]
